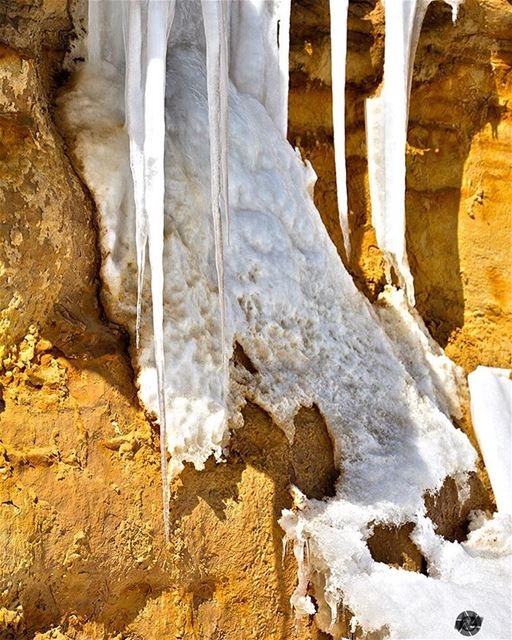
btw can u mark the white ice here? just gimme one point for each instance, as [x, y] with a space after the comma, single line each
[215, 20]
[386, 132]
[339, 13]
[474, 575]
[144, 27]
[491, 412]
[159, 20]
[312, 336]
[259, 54]
[134, 22]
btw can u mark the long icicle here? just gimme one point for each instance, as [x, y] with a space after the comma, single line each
[135, 22]
[215, 29]
[396, 69]
[339, 16]
[386, 130]
[159, 18]
[224, 109]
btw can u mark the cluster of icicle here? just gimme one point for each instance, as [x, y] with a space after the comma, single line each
[141, 29]
[386, 126]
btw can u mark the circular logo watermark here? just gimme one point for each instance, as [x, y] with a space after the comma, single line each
[468, 623]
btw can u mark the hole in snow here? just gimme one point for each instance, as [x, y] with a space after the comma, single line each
[242, 359]
[393, 545]
[313, 455]
[449, 515]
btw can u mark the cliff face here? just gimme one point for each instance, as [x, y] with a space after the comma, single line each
[82, 553]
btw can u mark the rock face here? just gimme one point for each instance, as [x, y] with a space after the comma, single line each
[82, 552]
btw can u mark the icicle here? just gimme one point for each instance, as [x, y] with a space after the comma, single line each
[283, 43]
[339, 14]
[387, 137]
[159, 19]
[135, 21]
[454, 4]
[215, 29]
[146, 27]
[160, 15]
[135, 33]
[386, 132]
[491, 411]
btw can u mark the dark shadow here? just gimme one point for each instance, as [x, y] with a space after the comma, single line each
[446, 112]
[451, 516]
[393, 545]
[241, 359]
[308, 463]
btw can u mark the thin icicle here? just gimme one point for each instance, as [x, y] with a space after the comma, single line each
[454, 4]
[159, 18]
[135, 21]
[387, 122]
[224, 109]
[339, 14]
[215, 29]
[386, 130]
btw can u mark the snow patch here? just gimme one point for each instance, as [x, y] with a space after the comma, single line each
[491, 411]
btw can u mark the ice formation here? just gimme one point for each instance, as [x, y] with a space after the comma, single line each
[339, 14]
[215, 19]
[384, 390]
[133, 19]
[473, 575]
[491, 411]
[259, 54]
[145, 28]
[386, 132]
